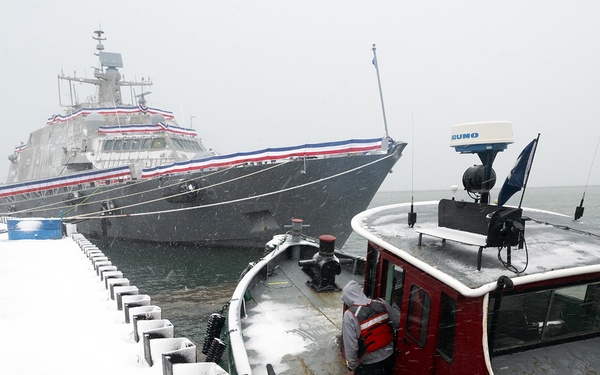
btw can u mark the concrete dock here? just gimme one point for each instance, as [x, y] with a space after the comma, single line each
[63, 311]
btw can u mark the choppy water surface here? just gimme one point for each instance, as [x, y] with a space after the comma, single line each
[190, 283]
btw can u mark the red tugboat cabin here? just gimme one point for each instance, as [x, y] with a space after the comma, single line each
[482, 288]
[455, 319]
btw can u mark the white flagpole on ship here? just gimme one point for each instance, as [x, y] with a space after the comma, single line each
[380, 92]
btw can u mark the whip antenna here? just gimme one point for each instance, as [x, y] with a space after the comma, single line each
[579, 209]
[380, 92]
[412, 215]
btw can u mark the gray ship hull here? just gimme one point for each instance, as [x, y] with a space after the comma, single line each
[241, 206]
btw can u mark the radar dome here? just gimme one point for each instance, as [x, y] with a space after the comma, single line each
[156, 118]
[93, 121]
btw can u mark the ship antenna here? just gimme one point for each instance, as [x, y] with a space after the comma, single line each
[99, 39]
[412, 215]
[579, 209]
[380, 92]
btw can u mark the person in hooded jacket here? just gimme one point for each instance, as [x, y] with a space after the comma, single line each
[367, 332]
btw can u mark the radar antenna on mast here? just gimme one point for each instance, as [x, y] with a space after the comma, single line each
[99, 38]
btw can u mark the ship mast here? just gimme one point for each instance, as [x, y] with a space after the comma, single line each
[107, 78]
[380, 91]
[99, 39]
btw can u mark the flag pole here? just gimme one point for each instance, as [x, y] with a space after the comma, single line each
[380, 92]
[537, 141]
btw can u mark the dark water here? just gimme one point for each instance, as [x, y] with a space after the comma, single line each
[190, 283]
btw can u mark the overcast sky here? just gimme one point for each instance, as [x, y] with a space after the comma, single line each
[256, 74]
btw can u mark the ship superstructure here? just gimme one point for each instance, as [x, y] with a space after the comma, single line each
[104, 132]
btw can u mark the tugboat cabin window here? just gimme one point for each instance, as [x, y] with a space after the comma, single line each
[136, 144]
[394, 285]
[118, 144]
[146, 144]
[127, 144]
[419, 306]
[447, 329]
[385, 279]
[546, 317]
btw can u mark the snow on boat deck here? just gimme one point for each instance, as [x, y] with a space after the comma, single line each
[57, 316]
[556, 246]
[294, 328]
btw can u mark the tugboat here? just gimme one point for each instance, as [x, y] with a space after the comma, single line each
[486, 288]
[129, 171]
[482, 288]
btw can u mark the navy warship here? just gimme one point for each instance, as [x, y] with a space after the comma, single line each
[129, 171]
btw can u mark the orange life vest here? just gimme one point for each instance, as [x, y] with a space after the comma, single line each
[375, 328]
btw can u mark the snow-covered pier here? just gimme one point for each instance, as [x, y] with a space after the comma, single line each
[65, 308]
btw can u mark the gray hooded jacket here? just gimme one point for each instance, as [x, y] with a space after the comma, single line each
[352, 294]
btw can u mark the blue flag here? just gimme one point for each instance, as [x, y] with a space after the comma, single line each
[518, 174]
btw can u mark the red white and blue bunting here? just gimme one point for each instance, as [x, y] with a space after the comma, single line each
[160, 127]
[107, 111]
[268, 154]
[63, 181]
[20, 148]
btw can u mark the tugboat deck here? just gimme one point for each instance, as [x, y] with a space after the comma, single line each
[299, 327]
[276, 317]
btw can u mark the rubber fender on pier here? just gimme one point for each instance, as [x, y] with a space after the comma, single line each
[102, 263]
[112, 283]
[162, 325]
[181, 348]
[160, 332]
[135, 300]
[106, 268]
[92, 253]
[121, 291]
[86, 248]
[136, 314]
[99, 258]
[108, 275]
